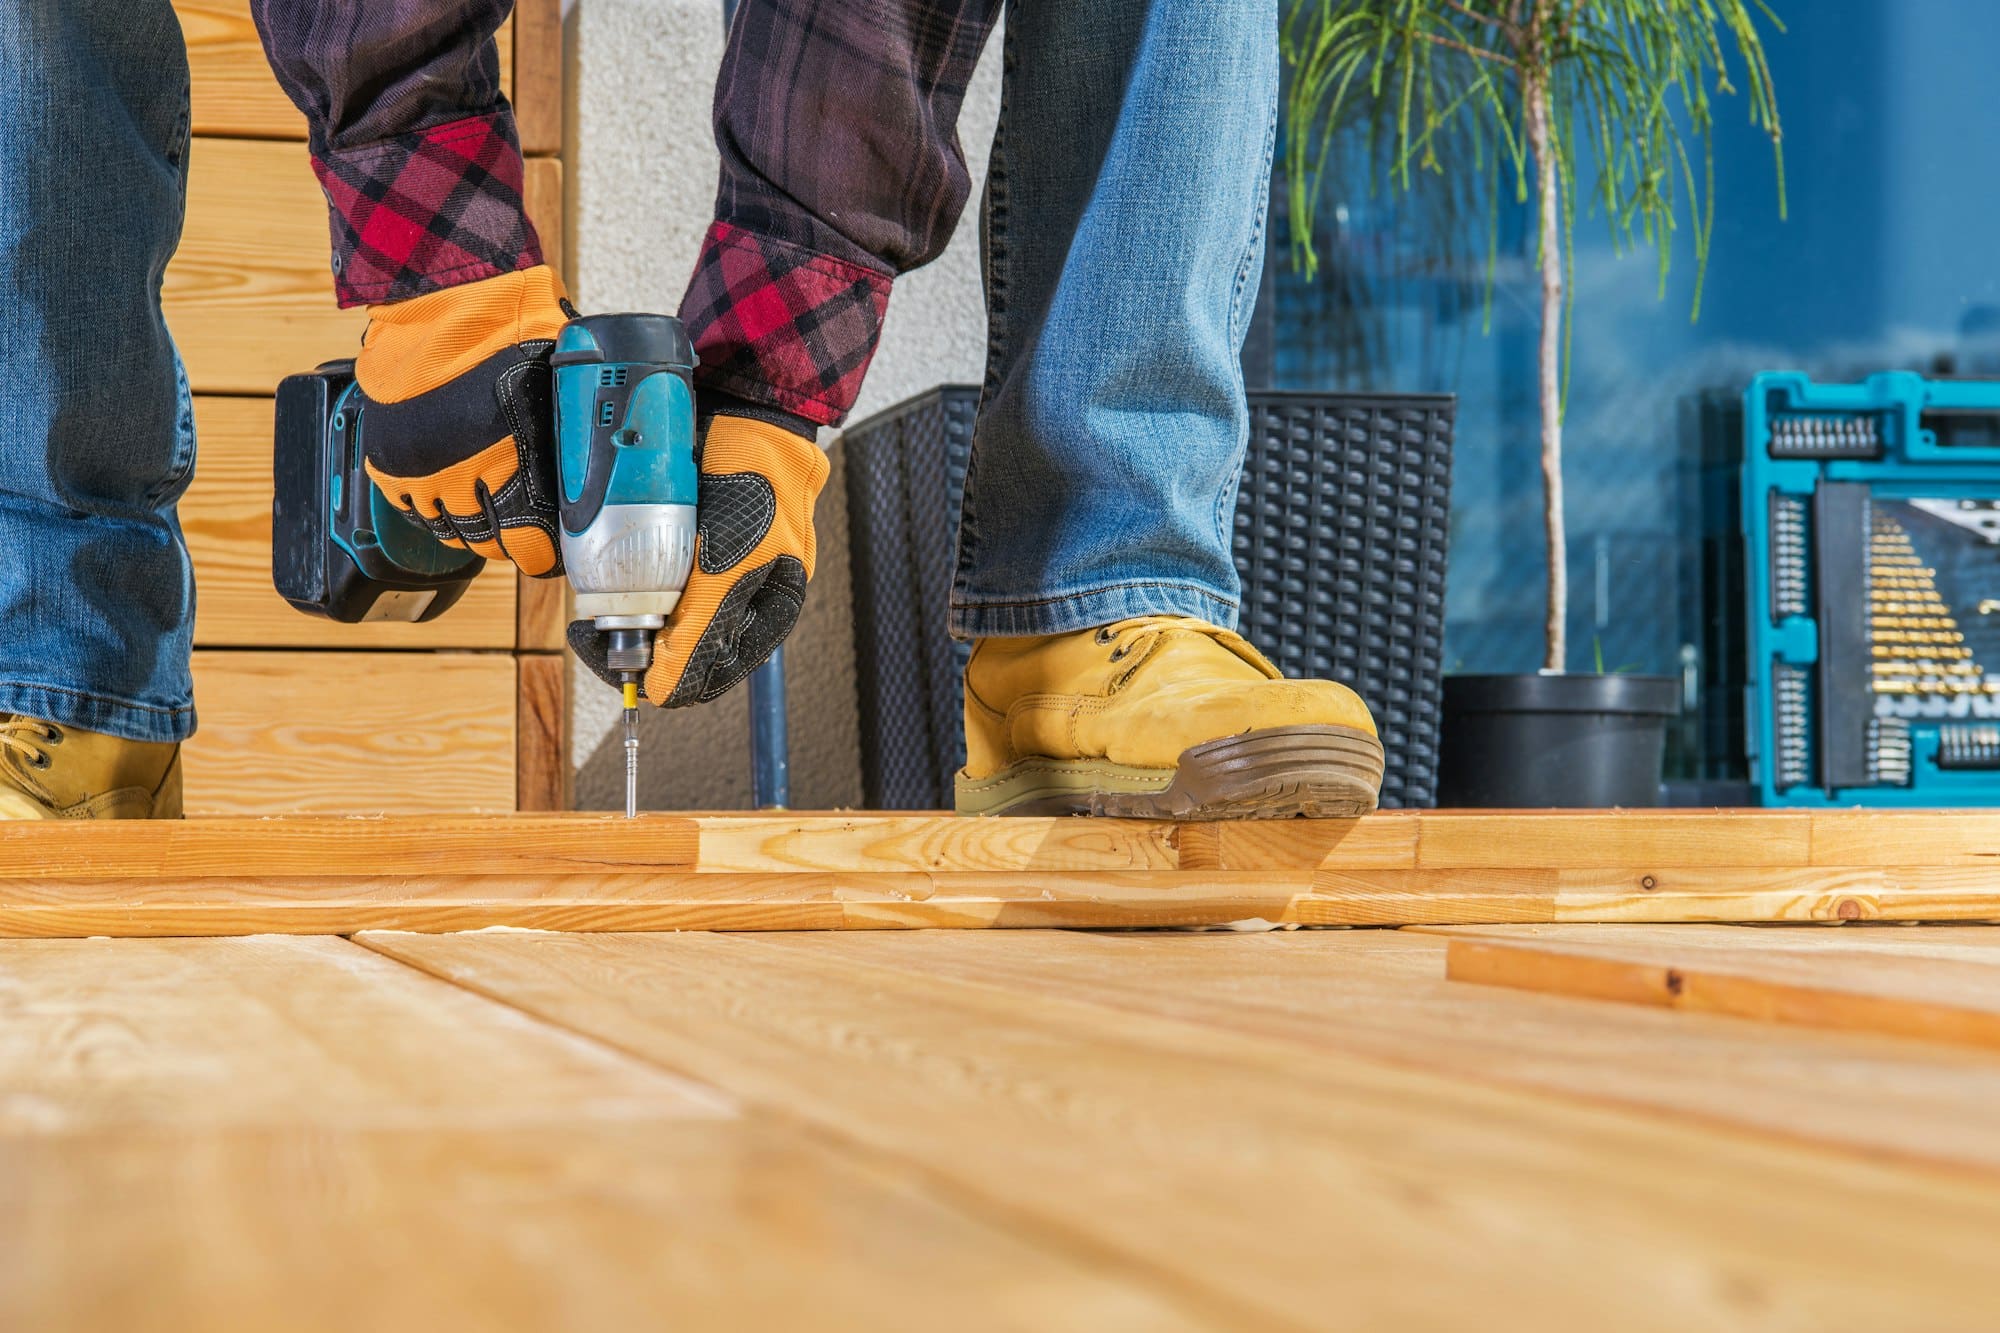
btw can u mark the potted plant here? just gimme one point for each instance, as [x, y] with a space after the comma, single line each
[1510, 91]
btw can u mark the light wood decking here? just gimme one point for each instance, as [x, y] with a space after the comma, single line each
[983, 1129]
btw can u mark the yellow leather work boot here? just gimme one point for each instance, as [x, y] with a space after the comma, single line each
[55, 772]
[1161, 717]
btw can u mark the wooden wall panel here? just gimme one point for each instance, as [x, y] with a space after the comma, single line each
[538, 75]
[352, 733]
[227, 518]
[234, 92]
[542, 197]
[248, 297]
[249, 300]
[542, 780]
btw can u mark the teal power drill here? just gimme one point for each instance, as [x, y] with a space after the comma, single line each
[624, 395]
[624, 410]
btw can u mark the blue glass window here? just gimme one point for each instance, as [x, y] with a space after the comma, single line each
[1890, 259]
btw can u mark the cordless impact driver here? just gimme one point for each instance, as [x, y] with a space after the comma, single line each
[625, 441]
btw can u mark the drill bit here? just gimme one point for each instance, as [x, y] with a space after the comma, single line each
[631, 747]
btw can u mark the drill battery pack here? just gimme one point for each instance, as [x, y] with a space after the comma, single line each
[339, 547]
[1871, 517]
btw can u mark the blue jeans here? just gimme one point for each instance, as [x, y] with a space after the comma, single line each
[96, 425]
[1124, 226]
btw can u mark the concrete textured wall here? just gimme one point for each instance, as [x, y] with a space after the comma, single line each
[641, 183]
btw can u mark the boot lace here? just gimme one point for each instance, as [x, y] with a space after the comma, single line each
[1129, 636]
[28, 741]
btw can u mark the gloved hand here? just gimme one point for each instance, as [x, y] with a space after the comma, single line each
[459, 426]
[754, 553]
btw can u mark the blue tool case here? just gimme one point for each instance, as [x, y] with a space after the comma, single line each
[1871, 516]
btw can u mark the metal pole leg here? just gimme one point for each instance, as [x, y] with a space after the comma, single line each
[770, 747]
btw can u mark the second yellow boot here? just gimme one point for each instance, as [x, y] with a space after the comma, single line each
[1159, 717]
[48, 771]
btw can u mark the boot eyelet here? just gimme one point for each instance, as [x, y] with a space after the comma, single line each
[41, 761]
[53, 737]
[1105, 635]
[1120, 654]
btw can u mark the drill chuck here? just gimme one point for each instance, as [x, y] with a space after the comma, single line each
[629, 649]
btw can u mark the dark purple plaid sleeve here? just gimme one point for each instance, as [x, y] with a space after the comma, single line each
[841, 168]
[410, 136]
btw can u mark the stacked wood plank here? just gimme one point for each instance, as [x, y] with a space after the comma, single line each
[298, 714]
[1023, 1130]
[792, 871]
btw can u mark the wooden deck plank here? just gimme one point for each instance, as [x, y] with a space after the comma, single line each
[568, 1225]
[437, 733]
[238, 1033]
[1811, 981]
[302, 1134]
[1383, 995]
[1306, 1181]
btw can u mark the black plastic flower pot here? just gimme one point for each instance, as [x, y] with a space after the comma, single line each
[1569, 741]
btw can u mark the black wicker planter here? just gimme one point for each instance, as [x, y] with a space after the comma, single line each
[1340, 540]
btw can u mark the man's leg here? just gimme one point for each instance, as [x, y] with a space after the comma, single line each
[841, 169]
[1126, 207]
[96, 427]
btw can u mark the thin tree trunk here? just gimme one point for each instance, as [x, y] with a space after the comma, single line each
[1550, 370]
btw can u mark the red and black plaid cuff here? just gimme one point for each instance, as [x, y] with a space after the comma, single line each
[778, 324]
[425, 210]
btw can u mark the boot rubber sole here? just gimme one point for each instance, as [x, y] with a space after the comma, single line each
[1313, 772]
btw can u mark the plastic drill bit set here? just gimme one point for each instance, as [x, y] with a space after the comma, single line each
[1872, 531]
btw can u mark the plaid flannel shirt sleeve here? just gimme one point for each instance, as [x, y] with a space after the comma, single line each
[410, 136]
[841, 169]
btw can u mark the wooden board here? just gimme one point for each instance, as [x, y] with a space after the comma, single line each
[102, 1035]
[565, 1225]
[538, 75]
[234, 92]
[542, 615]
[301, 1134]
[542, 771]
[542, 199]
[1265, 1177]
[1383, 994]
[227, 518]
[351, 733]
[442, 730]
[248, 296]
[1814, 981]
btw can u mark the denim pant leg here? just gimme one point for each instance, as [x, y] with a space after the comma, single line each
[96, 426]
[1125, 214]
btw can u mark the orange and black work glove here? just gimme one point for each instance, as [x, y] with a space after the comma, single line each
[458, 426]
[754, 553]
